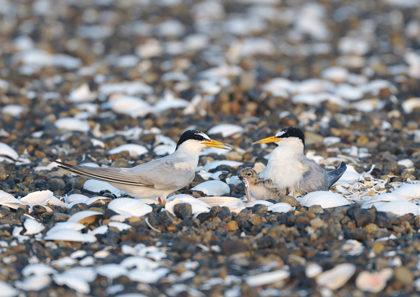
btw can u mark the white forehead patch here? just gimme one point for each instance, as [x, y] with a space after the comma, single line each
[204, 135]
[280, 133]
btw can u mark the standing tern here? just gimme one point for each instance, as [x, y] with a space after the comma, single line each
[289, 171]
[157, 178]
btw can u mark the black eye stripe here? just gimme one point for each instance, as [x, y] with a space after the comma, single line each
[292, 132]
[192, 135]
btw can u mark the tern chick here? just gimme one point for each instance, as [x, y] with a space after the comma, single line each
[160, 177]
[289, 171]
[256, 186]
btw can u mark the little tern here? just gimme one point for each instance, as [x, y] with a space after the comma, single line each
[160, 177]
[289, 171]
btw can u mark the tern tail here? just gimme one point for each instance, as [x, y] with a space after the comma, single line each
[334, 175]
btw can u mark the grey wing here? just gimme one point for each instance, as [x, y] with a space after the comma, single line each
[113, 175]
[164, 174]
[334, 175]
[314, 177]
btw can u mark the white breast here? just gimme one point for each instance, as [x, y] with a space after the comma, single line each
[283, 167]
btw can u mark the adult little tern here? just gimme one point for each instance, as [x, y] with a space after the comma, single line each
[160, 177]
[289, 171]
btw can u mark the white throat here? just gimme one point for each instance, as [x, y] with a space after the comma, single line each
[284, 167]
[189, 151]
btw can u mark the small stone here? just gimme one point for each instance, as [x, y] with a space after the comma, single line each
[403, 275]
[358, 234]
[225, 215]
[39, 154]
[371, 228]
[392, 167]
[317, 223]
[378, 247]
[60, 217]
[183, 211]
[3, 174]
[55, 184]
[232, 226]
[255, 220]
[316, 209]
[232, 247]
[97, 209]
[363, 140]
[361, 216]
[289, 200]
[260, 208]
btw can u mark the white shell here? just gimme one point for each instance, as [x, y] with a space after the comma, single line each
[6, 150]
[72, 124]
[78, 254]
[33, 283]
[8, 200]
[312, 270]
[379, 199]
[129, 207]
[127, 87]
[256, 202]
[267, 278]
[134, 150]
[132, 106]
[170, 103]
[66, 225]
[219, 200]
[70, 235]
[38, 269]
[74, 283]
[99, 230]
[79, 198]
[82, 94]
[81, 215]
[119, 226]
[139, 263]
[213, 188]
[406, 163]
[337, 277]
[96, 186]
[234, 205]
[409, 191]
[147, 276]
[7, 290]
[280, 207]
[215, 164]
[399, 207]
[32, 227]
[324, 199]
[111, 271]
[196, 206]
[38, 197]
[410, 104]
[86, 273]
[226, 130]
[373, 282]
[13, 110]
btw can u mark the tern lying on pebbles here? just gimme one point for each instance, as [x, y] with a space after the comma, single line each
[289, 171]
[157, 178]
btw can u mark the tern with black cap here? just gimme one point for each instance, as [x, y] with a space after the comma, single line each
[289, 171]
[160, 177]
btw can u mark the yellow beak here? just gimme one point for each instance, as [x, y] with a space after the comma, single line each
[268, 140]
[217, 144]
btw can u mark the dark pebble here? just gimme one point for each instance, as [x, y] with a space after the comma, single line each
[56, 184]
[183, 211]
[232, 247]
[360, 215]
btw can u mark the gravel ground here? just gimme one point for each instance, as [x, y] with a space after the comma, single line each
[80, 80]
